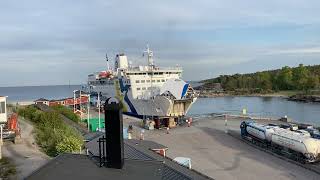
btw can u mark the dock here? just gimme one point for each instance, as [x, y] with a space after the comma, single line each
[221, 156]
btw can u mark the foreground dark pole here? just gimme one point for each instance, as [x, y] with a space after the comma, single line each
[114, 134]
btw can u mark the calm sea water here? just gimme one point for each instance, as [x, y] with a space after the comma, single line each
[257, 106]
[31, 93]
[274, 107]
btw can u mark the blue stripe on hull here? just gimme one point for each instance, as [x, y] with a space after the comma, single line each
[125, 89]
[184, 91]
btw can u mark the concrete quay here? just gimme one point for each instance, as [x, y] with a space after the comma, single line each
[219, 155]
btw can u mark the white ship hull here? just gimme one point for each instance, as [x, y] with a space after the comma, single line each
[159, 106]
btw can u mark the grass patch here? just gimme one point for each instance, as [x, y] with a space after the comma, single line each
[7, 169]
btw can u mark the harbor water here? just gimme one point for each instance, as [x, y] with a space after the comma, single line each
[31, 93]
[271, 107]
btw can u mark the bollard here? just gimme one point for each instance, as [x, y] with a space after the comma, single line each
[142, 134]
[226, 124]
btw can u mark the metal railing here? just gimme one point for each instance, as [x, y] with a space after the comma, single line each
[102, 151]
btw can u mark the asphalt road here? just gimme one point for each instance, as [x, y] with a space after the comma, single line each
[25, 154]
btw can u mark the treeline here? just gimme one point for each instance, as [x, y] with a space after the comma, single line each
[303, 78]
[52, 134]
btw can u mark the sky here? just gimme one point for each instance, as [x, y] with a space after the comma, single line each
[62, 41]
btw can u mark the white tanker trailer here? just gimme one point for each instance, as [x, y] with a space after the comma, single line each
[299, 142]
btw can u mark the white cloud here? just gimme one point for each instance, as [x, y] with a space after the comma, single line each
[303, 50]
[70, 35]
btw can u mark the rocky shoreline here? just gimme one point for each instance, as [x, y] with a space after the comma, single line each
[305, 98]
[222, 94]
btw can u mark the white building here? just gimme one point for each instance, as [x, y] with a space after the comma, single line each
[3, 109]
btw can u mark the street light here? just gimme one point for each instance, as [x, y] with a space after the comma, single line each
[88, 113]
[99, 106]
[74, 100]
[80, 107]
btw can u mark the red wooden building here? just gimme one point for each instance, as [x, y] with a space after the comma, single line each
[65, 102]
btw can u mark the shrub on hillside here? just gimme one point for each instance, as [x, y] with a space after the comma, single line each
[52, 132]
[67, 112]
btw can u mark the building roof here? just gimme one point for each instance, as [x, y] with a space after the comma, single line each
[146, 144]
[41, 99]
[139, 163]
[82, 167]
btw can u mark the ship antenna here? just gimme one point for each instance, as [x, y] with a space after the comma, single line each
[107, 59]
[149, 54]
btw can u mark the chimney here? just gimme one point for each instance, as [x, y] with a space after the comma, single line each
[114, 134]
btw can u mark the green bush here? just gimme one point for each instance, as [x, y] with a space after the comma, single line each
[69, 144]
[66, 112]
[52, 134]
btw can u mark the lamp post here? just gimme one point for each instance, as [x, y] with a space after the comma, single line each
[99, 106]
[88, 113]
[80, 106]
[74, 100]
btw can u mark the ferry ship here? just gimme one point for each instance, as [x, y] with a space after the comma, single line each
[145, 90]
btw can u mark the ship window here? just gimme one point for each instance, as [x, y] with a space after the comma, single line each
[150, 74]
[158, 80]
[153, 80]
[143, 88]
[149, 88]
[156, 73]
[148, 81]
[138, 89]
[161, 73]
[143, 81]
[163, 80]
[137, 81]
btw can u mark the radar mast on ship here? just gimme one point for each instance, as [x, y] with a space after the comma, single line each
[149, 54]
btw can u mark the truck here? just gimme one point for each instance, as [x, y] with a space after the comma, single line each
[11, 129]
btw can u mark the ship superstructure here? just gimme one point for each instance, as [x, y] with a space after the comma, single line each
[149, 90]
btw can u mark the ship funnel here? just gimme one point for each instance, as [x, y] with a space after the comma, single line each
[121, 62]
